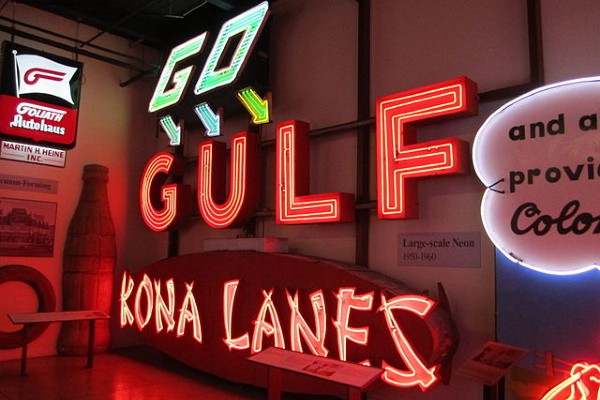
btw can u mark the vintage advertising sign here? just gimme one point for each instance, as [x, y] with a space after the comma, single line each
[32, 154]
[39, 96]
[401, 162]
[537, 156]
[213, 310]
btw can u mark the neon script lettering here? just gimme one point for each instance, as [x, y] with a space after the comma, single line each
[529, 218]
[145, 305]
[582, 384]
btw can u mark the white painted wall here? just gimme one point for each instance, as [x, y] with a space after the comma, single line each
[114, 130]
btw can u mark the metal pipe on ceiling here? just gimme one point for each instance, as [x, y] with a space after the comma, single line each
[141, 70]
[120, 21]
[76, 41]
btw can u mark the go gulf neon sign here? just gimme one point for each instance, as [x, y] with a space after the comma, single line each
[400, 158]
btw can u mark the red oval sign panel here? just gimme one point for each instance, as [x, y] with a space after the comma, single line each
[213, 310]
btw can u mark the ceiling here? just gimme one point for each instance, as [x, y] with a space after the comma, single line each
[160, 24]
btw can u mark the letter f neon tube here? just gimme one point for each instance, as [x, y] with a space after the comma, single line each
[400, 159]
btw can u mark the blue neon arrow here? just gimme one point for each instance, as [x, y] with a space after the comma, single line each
[210, 119]
[173, 131]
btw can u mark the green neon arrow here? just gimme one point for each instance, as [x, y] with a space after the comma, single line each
[258, 107]
[173, 131]
[210, 119]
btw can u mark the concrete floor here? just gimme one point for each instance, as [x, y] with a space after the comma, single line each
[139, 373]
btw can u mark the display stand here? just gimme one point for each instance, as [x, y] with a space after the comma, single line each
[61, 316]
[494, 392]
[355, 377]
[490, 365]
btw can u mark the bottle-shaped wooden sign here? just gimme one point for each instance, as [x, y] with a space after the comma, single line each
[88, 264]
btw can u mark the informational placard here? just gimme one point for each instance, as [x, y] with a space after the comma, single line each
[491, 363]
[39, 96]
[350, 374]
[32, 154]
[27, 228]
[442, 249]
[28, 184]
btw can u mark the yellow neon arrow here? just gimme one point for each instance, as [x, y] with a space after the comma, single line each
[258, 107]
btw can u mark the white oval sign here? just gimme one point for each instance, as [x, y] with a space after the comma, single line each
[539, 157]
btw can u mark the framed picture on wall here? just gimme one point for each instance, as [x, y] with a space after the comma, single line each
[27, 227]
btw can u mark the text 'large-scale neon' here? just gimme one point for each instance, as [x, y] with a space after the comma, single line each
[400, 159]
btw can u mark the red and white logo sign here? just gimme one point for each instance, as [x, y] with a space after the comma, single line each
[37, 74]
[39, 121]
[39, 96]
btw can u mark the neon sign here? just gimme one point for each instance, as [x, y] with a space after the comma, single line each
[347, 301]
[419, 373]
[535, 156]
[218, 306]
[213, 75]
[39, 96]
[300, 328]
[293, 203]
[210, 119]
[243, 196]
[174, 197]
[583, 383]
[400, 159]
[400, 162]
[163, 97]
[257, 107]
[248, 25]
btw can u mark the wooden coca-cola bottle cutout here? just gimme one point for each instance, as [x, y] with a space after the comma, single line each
[88, 264]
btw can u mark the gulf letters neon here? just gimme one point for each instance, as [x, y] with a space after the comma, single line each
[293, 204]
[218, 210]
[399, 158]
[146, 302]
[400, 161]
[174, 197]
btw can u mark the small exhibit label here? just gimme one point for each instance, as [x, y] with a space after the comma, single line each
[32, 154]
[446, 249]
[28, 184]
